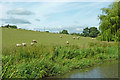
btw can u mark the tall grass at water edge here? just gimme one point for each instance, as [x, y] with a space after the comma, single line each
[40, 61]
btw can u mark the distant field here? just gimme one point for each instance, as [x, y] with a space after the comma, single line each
[10, 37]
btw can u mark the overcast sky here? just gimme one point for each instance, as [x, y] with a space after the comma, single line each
[54, 16]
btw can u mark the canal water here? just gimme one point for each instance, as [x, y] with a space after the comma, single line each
[105, 70]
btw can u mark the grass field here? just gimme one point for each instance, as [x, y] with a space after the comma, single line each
[51, 55]
[11, 37]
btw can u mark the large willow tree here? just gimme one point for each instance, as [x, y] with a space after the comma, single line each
[110, 23]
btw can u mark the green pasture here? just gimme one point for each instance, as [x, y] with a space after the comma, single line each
[11, 37]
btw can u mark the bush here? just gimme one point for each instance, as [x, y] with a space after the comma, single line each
[64, 32]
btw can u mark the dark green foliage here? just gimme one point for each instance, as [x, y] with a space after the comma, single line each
[86, 32]
[91, 32]
[64, 32]
[78, 34]
[110, 23]
[9, 26]
[47, 31]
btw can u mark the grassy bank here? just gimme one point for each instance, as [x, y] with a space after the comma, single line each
[40, 61]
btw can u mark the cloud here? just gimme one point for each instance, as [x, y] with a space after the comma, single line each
[71, 29]
[79, 29]
[15, 21]
[19, 11]
[53, 16]
[37, 19]
[76, 22]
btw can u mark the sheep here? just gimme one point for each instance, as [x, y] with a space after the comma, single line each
[60, 36]
[18, 45]
[73, 37]
[92, 38]
[78, 37]
[32, 44]
[67, 42]
[34, 41]
[24, 44]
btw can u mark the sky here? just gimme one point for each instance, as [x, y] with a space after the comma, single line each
[52, 16]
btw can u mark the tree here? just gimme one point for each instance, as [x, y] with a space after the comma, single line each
[10, 26]
[110, 22]
[78, 34]
[93, 32]
[86, 31]
[73, 33]
[47, 31]
[64, 32]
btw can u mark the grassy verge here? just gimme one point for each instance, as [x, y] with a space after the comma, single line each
[40, 61]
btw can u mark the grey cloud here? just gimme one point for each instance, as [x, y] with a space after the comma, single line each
[37, 19]
[19, 12]
[76, 22]
[15, 21]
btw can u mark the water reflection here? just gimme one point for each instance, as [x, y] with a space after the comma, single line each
[106, 70]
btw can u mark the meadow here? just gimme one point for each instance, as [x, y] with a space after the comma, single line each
[51, 55]
[13, 36]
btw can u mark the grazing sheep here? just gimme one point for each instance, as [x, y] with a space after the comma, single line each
[32, 44]
[34, 41]
[24, 44]
[67, 42]
[18, 45]
[73, 37]
[92, 38]
[60, 36]
[78, 37]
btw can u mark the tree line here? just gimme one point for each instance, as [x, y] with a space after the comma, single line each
[9, 26]
[87, 32]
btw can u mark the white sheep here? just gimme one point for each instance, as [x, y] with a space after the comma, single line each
[24, 44]
[78, 37]
[67, 42]
[18, 45]
[32, 44]
[73, 37]
[34, 41]
[60, 36]
[92, 38]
